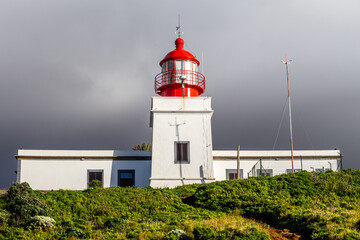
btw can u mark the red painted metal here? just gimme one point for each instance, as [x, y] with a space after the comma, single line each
[169, 83]
[179, 53]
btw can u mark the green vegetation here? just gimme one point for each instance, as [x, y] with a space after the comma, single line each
[319, 205]
[315, 205]
[95, 184]
[143, 147]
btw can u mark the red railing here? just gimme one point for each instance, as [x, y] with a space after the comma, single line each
[173, 77]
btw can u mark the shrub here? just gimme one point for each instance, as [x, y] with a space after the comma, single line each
[22, 202]
[176, 234]
[204, 233]
[115, 222]
[251, 233]
[41, 223]
[4, 216]
[76, 232]
[95, 184]
[357, 225]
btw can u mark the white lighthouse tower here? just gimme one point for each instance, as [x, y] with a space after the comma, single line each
[181, 122]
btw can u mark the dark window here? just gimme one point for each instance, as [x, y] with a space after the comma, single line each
[126, 178]
[232, 174]
[95, 175]
[182, 152]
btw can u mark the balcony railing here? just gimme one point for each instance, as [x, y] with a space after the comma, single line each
[173, 77]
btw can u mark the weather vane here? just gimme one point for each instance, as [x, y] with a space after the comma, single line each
[178, 29]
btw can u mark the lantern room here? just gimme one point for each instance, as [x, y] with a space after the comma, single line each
[179, 75]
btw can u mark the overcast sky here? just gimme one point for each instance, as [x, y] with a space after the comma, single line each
[80, 74]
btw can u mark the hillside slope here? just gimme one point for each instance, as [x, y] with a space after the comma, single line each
[314, 205]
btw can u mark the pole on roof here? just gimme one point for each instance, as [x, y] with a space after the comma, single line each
[286, 62]
[238, 162]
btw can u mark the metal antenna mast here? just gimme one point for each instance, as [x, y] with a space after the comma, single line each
[286, 62]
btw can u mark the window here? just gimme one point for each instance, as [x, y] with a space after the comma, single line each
[126, 178]
[232, 174]
[290, 170]
[179, 64]
[264, 172]
[170, 65]
[95, 175]
[182, 152]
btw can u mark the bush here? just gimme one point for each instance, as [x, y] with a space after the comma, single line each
[357, 225]
[209, 233]
[22, 202]
[115, 223]
[176, 234]
[41, 223]
[4, 216]
[75, 232]
[95, 184]
[251, 234]
[204, 233]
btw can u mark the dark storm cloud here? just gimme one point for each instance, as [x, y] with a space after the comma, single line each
[79, 74]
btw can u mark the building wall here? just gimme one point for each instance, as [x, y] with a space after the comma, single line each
[45, 170]
[220, 167]
[177, 119]
[279, 162]
[63, 169]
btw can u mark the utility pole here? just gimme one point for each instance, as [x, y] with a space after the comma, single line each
[286, 62]
[238, 162]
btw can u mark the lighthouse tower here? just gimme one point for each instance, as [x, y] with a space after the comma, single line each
[181, 123]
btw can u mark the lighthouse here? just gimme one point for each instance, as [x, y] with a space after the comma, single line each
[181, 122]
[182, 150]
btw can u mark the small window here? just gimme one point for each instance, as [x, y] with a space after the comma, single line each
[182, 152]
[264, 172]
[170, 65]
[232, 174]
[195, 67]
[179, 64]
[290, 170]
[126, 178]
[95, 175]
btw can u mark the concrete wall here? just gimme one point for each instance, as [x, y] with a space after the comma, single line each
[68, 169]
[278, 161]
[176, 119]
[48, 169]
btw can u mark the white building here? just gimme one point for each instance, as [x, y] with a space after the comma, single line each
[182, 150]
[72, 169]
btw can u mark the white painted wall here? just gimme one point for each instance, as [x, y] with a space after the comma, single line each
[44, 171]
[220, 168]
[312, 160]
[181, 119]
[67, 169]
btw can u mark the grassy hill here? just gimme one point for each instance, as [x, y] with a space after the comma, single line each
[312, 205]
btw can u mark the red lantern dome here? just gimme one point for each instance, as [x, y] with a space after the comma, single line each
[179, 74]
